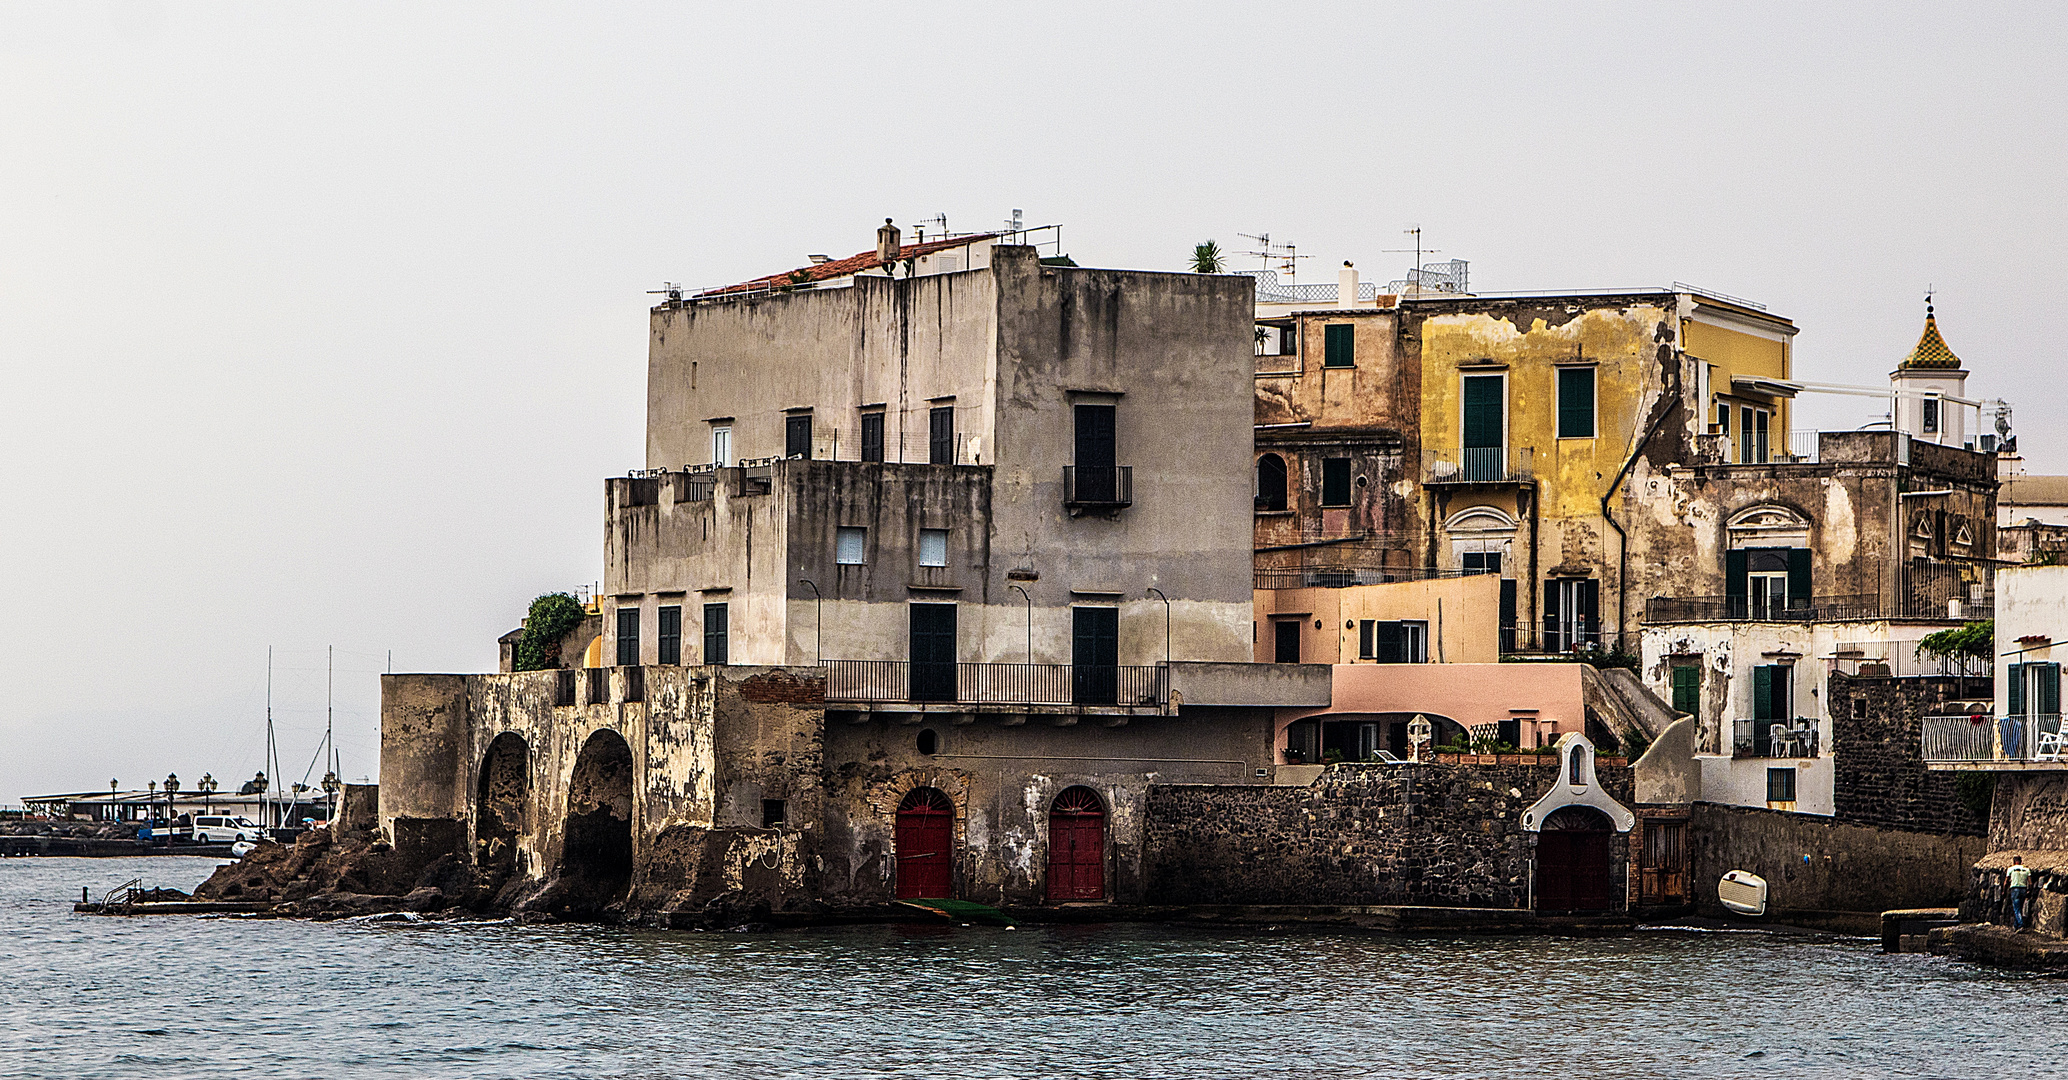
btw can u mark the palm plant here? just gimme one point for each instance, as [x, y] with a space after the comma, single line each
[1207, 259]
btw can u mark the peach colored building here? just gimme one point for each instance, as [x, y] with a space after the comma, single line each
[1531, 704]
[1443, 620]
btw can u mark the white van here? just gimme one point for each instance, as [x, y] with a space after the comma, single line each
[212, 829]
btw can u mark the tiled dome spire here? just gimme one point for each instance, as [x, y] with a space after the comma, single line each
[1931, 350]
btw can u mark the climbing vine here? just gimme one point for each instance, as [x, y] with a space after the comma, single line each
[552, 617]
[1975, 641]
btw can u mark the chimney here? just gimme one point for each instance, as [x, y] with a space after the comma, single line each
[887, 243]
[1346, 285]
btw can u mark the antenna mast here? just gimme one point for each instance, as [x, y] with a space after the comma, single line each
[1287, 255]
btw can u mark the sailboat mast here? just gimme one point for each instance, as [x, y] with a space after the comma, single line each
[271, 760]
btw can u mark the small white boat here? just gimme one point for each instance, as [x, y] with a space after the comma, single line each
[1743, 892]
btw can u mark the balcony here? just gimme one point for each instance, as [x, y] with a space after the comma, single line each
[1982, 741]
[907, 682]
[1343, 577]
[1795, 738]
[1480, 465]
[1707, 609]
[1105, 487]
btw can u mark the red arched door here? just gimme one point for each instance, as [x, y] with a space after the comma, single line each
[1077, 846]
[1574, 862]
[925, 838]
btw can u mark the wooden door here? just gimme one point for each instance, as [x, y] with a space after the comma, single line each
[1573, 861]
[1095, 655]
[923, 845]
[1077, 846]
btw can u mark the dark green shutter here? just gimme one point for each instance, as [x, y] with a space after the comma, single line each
[1798, 577]
[1590, 608]
[1340, 349]
[1389, 643]
[1550, 613]
[1576, 403]
[1734, 589]
[1482, 411]
[2047, 688]
[1687, 689]
[2017, 680]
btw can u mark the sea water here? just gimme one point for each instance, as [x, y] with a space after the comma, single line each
[174, 996]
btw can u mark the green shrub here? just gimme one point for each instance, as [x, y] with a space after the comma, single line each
[552, 617]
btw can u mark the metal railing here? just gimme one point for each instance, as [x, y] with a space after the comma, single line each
[2033, 737]
[1580, 637]
[1795, 738]
[1479, 465]
[1671, 609]
[1342, 577]
[1111, 485]
[922, 682]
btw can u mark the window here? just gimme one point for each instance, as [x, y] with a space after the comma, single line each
[563, 687]
[1766, 583]
[1931, 416]
[1339, 345]
[940, 435]
[1572, 613]
[933, 547]
[1723, 424]
[1276, 340]
[1752, 435]
[1772, 705]
[1687, 689]
[628, 636]
[721, 446]
[774, 812]
[670, 636]
[1098, 473]
[1485, 442]
[1780, 785]
[717, 634]
[849, 544]
[929, 742]
[1286, 644]
[872, 436]
[1270, 482]
[797, 436]
[1335, 482]
[1393, 642]
[1576, 403]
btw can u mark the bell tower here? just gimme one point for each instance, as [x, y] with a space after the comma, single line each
[1930, 389]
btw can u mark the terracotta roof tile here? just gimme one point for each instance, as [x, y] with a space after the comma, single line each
[853, 264]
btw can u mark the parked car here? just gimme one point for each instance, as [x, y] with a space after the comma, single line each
[211, 829]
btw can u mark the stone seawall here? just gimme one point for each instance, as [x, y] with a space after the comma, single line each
[1448, 835]
[1879, 776]
[1814, 864]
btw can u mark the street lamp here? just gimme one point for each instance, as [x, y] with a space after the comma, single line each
[1030, 622]
[172, 788]
[114, 809]
[1166, 624]
[818, 636]
[207, 786]
[331, 786]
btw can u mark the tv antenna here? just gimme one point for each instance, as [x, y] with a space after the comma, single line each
[1414, 276]
[1287, 255]
[670, 289]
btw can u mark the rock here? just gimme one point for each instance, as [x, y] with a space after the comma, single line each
[426, 898]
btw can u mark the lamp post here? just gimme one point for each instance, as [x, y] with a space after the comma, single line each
[1030, 622]
[331, 786]
[207, 786]
[172, 788]
[114, 809]
[818, 635]
[1166, 624]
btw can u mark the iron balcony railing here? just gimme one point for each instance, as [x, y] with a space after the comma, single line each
[1795, 738]
[1672, 609]
[1977, 738]
[1580, 636]
[1342, 577]
[1480, 465]
[923, 682]
[1109, 485]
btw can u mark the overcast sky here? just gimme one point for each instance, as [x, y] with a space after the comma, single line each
[322, 324]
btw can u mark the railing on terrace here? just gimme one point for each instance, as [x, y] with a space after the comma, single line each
[1868, 659]
[921, 682]
[1795, 738]
[1111, 485]
[1479, 465]
[1579, 639]
[1671, 609]
[1980, 738]
[1342, 577]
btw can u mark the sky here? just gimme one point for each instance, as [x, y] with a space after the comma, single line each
[321, 325]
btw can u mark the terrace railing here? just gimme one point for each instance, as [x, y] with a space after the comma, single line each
[1672, 609]
[1981, 738]
[1795, 738]
[923, 682]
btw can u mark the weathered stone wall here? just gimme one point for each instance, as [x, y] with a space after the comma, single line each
[1447, 835]
[1877, 744]
[1813, 864]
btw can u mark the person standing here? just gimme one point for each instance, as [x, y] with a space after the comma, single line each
[2020, 877]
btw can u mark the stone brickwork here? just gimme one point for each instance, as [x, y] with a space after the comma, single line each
[1448, 835]
[1877, 748]
[1816, 865]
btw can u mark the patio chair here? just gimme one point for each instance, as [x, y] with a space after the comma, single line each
[1780, 740]
[2049, 746]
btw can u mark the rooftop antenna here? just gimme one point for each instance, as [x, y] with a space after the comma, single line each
[1288, 255]
[1414, 276]
[670, 289]
[1013, 226]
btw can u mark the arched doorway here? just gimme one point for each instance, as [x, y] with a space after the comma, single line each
[1077, 846]
[1573, 861]
[596, 853]
[1270, 482]
[925, 839]
[499, 806]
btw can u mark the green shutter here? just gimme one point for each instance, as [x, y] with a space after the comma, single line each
[1734, 589]
[2047, 688]
[1798, 577]
[1389, 645]
[1482, 411]
[1340, 349]
[2017, 684]
[1576, 403]
[1762, 692]
[1687, 689]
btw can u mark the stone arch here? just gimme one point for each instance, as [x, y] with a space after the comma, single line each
[1576, 860]
[596, 848]
[502, 798]
[1076, 846]
[1767, 525]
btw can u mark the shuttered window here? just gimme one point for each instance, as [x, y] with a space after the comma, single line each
[628, 636]
[669, 637]
[717, 634]
[1340, 349]
[1335, 482]
[1576, 403]
[1687, 689]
